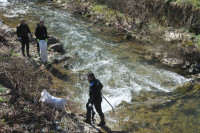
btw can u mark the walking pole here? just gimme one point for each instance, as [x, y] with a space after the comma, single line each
[108, 103]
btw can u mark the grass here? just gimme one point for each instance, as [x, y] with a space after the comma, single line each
[194, 3]
[198, 41]
[109, 14]
[1, 99]
[2, 89]
[99, 8]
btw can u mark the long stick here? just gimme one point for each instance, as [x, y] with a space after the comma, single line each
[108, 103]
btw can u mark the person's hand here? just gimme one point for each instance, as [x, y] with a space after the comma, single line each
[90, 105]
[47, 40]
[31, 35]
[19, 39]
[38, 40]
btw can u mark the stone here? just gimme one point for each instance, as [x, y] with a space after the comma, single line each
[66, 65]
[52, 40]
[57, 48]
[61, 59]
[173, 62]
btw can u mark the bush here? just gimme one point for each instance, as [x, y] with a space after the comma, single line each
[22, 77]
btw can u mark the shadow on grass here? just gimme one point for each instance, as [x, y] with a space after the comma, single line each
[55, 72]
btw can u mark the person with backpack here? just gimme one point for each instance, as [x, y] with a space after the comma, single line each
[95, 99]
[42, 39]
[22, 34]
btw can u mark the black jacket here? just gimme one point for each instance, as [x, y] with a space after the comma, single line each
[41, 33]
[23, 30]
[95, 91]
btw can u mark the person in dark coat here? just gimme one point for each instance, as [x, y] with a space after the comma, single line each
[41, 32]
[22, 34]
[95, 99]
[38, 46]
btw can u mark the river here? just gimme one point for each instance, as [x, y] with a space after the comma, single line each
[119, 64]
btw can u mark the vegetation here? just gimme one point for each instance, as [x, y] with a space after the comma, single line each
[194, 3]
[20, 106]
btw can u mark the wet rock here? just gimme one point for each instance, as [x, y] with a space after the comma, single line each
[52, 40]
[173, 62]
[194, 68]
[66, 65]
[61, 59]
[187, 65]
[57, 48]
[128, 36]
[2, 39]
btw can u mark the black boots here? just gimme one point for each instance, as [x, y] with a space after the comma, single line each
[87, 121]
[93, 114]
[102, 123]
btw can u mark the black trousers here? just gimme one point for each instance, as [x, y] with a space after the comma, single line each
[38, 48]
[97, 105]
[25, 42]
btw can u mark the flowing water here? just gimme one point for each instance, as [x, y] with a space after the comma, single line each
[118, 64]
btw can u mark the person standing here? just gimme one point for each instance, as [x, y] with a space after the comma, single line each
[38, 47]
[95, 99]
[42, 39]
[22, 34]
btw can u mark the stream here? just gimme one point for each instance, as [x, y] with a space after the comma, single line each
[117, 63]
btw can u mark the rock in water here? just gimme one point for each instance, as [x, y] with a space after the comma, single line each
[52, 40]
[57, 48]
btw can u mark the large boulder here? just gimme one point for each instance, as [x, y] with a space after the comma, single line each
[52, 40]
[57, 48]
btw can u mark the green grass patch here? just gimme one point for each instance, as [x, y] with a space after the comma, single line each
[109, 13]
[194, 3]
[2, 89]
[99, 8]
[198, 41]
[1, 99]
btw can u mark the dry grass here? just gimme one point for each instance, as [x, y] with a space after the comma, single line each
[21, 110]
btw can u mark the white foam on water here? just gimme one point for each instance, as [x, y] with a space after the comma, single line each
[3, 1]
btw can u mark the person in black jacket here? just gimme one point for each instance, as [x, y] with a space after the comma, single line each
[22, 34]
[41, 31]
[95, 99]
[41, 34]
[38, 46]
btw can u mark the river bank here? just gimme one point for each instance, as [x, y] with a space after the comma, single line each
[172, 46]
